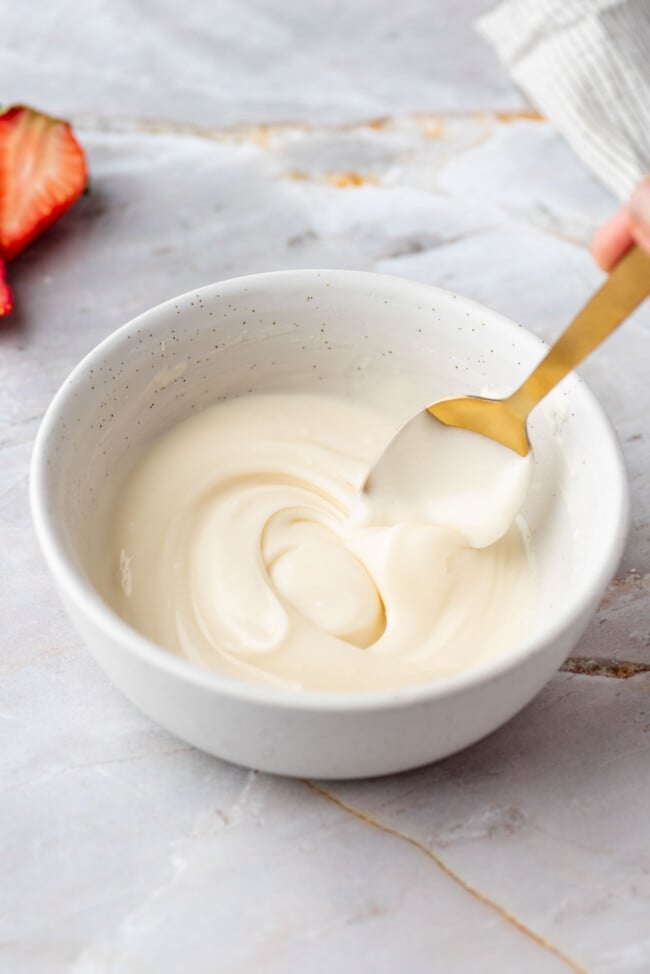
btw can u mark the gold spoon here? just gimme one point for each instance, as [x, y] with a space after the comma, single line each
[430, 474]
[504, 420]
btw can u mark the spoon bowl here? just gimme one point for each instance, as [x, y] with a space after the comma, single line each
[494, 418]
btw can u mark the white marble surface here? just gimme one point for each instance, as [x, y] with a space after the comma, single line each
[231, 138]
[232, 61]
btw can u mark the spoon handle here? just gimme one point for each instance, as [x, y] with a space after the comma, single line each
[625, 288]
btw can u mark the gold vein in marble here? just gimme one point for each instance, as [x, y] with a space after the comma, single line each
[432, 125]
[509, 918]
[615, 669]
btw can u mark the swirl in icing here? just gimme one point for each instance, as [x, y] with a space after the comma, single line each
[231, 545]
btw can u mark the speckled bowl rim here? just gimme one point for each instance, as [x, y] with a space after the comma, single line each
[79, 592]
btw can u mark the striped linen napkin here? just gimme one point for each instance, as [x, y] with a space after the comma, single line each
[586, 65]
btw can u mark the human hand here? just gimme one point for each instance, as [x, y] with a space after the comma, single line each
[630, 225]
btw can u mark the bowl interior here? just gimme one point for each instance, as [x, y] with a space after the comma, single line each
[328, 332]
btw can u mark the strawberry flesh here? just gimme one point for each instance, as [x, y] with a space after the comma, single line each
[42, 172]
[6, 301]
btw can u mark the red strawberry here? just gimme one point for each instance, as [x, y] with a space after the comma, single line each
[6, 302]
[42, 172]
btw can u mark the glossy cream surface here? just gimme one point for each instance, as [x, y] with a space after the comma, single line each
[231, 544]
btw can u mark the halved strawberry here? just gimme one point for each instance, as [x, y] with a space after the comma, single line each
[6, 301]
[42, 172]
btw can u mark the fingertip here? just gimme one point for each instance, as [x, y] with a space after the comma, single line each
[600, 249]
[612, 240]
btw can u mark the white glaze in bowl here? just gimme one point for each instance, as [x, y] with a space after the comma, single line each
[323, 330]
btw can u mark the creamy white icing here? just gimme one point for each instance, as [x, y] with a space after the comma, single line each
[442, 475]
[231, 544]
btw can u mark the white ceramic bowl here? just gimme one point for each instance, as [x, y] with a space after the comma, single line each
[264, 333]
